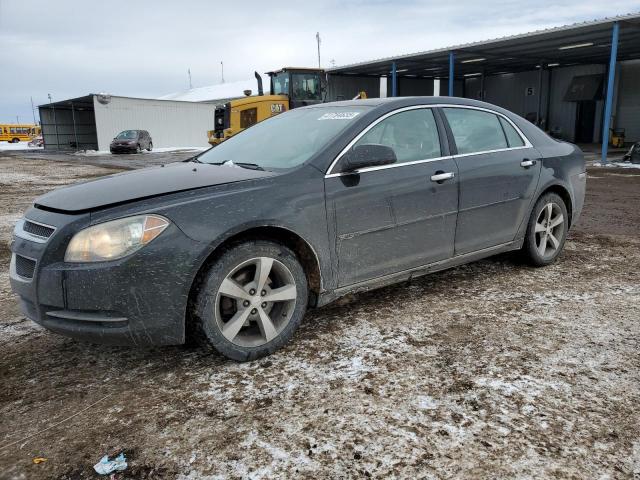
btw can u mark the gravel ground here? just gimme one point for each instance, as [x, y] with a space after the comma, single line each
[489, 370]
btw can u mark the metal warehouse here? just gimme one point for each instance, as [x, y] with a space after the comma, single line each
[576, 81]
[91, 122]
[579, 82]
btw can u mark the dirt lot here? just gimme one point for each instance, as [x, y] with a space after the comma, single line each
[490, 370]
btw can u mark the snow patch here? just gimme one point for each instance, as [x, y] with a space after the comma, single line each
[93, 153]
[617, 164]
[17, 146]
[426, 402]
[223, 91]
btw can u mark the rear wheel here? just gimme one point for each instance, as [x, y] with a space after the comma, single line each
[150, 147]
[15, 140]
[546, 231]
[251, 300]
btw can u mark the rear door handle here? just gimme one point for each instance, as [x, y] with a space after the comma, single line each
[441, 177]
[526, 163]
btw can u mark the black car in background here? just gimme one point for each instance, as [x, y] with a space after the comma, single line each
[236, 243]
[129, 141]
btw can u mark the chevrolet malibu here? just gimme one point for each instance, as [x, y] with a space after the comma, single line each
[235, 244]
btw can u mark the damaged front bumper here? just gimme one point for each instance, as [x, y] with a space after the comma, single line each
[137, 300]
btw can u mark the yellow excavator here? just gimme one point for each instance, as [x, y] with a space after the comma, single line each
[289, 88]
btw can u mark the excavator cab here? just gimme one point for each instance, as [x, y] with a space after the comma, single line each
[303, 86]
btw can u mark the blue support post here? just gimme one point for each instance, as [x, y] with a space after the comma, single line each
[452, 57]
[394, 80]
[608, 104]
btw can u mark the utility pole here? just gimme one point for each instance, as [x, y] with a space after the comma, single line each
[318, 40]
[190, 84]
[55, 122]
[33, 110]
[222, 71]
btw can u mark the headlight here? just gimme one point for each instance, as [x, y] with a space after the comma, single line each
[115, 239]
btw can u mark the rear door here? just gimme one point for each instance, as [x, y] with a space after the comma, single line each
[499, 171]
[395, 217]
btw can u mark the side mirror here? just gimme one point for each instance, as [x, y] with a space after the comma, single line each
[371, 155]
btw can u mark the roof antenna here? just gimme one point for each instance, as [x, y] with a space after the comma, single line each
[222, 71]
[190, 84]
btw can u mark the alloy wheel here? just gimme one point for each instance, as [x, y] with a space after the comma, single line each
[255, 302]
[549, 230]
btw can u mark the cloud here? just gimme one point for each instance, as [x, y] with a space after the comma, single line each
[71, 48]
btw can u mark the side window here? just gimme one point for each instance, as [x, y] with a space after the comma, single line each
[513, 138]
[475, 130]
[248, 117]
[413, 135]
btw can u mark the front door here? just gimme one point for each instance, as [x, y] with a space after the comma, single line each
[393, 218]
[499, 173]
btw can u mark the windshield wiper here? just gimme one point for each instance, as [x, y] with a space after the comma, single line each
[250, 166]
[231, 163]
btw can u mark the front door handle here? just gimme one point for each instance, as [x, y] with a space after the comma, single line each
[526, 163]
[440, 177]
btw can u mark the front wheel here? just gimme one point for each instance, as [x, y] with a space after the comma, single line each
[251, 300]
[138, 149]
[546, 231]
[150, 147]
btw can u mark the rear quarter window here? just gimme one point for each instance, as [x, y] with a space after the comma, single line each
[513, 138]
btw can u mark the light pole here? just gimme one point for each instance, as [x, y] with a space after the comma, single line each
[318, 41]
[55, 122]
[33, 110]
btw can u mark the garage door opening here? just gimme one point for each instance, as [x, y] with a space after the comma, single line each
[69, 125]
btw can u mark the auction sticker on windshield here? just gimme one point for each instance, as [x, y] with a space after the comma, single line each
[339, 116]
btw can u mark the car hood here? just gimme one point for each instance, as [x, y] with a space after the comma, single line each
[144, 183]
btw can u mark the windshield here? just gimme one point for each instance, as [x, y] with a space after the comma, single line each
[286, 140]
[128, 134]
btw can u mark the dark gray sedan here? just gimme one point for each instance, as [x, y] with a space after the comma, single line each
[131, 141]
[234, 245]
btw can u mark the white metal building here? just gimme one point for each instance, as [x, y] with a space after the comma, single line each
[91, 122]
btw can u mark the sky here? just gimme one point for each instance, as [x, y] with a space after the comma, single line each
[69, 48]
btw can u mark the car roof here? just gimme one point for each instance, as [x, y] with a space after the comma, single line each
[404, 101]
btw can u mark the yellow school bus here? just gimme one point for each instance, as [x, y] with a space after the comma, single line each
[17, 132]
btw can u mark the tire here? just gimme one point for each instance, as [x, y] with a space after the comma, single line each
[138, 149]
[150, 147]
[548, 207]
[236, 325]
[15, 140]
